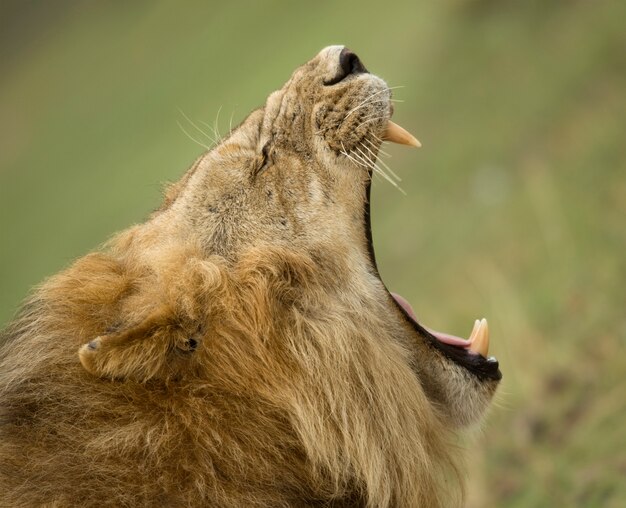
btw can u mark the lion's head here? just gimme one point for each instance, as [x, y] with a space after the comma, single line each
[249, 308]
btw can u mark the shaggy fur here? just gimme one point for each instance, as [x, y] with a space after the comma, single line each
[238, 348]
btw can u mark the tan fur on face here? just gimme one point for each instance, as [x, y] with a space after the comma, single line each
[238, 349]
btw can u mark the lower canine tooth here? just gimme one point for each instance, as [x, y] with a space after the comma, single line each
[480, 338]
[473, 334]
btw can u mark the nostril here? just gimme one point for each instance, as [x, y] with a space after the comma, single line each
[349, 63]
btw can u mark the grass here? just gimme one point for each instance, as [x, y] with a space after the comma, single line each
[516, 205]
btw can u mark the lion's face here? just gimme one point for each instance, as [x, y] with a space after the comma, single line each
[297, 169]
[297, 174]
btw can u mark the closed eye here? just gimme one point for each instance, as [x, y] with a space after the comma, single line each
[262, 162]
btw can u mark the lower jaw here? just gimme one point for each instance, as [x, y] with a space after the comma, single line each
[454, 348]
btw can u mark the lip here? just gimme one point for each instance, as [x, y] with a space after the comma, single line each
[481, 367]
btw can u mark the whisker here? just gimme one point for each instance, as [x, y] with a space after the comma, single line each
[345, 152]
[366, 162]
[353, 160]
[356, 163]
[377, 176]
[191, 137]
[376, 114]
[381, 172]
[371, 152]
[391, 171]
[365, 101]
[375, 136]
[369, 156]
[363, 161]
[191, 122]
[383, 163]
[362, 105]
[372, 163]
[368, 121]
[216, 137]
[216, 124]
[390, 180]
[213, 138]
[230, 122]
[374, 146]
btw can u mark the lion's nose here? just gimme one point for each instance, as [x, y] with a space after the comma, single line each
[349, 64]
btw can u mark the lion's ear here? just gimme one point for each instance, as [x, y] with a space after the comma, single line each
[152, 349]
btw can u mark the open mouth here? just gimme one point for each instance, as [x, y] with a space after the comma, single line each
[471, 353]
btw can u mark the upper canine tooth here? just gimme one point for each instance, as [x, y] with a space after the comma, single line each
[480, 338]
[397, 134]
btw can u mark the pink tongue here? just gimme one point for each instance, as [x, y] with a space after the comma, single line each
[442, 337]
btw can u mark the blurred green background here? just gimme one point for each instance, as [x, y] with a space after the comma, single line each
[515, 207]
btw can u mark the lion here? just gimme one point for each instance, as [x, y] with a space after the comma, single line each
[239, 348]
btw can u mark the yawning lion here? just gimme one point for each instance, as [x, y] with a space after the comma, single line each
[239, 349]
